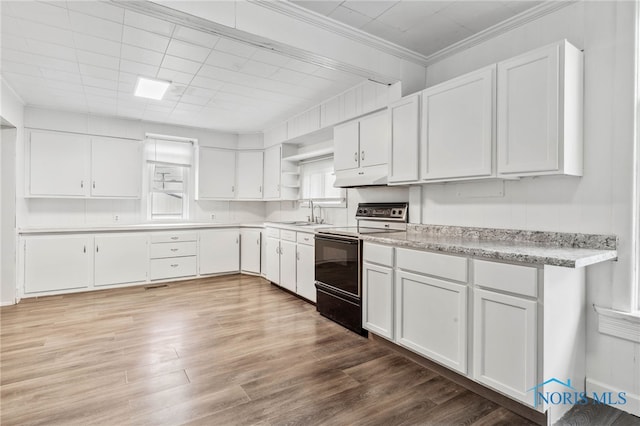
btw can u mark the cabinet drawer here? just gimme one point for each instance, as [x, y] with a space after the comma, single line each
[173, 237]
[375, 253]
[304, 238]
[273, 232]
[287, 235]
[501, 276]
[173, 267]
[439, 265]
[159, 250]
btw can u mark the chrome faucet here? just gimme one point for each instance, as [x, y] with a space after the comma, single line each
[311, 218]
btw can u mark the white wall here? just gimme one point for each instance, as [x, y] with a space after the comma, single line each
[599, 202]
[11, 110]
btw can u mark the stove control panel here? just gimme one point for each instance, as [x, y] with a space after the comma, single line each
[396, 212]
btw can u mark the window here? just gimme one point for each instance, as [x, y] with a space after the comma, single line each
[169, 171]
[317, 178]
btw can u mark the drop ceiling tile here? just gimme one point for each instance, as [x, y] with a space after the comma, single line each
[372, 9]
[98, 72]
[259, 69]
[323, 7]
[520, 6]
[407, 14]
[226, 60]
[96, 27]
[160, 109]
[235, 47]
[145, 39]
[28, 58]
[97, 45]
[138, 68]
[270, 58]
[189, 51]
[101, 93]
[100, 83]
[75, 87]
[438, 29]
[289, 76]
[126, 77]
[148, 23]
[200, 92]
[37, 31]
[43, 48]
[124, 87]
[39, 12]
[194, 100]
[477, 16]
[179, 64]
[199, 38]
[350, 17]
[26, 69]
[98, 9]
[98, 60]
[51, 74]
[138, 54]
[175, 76]
[384, 31]
[207, 83]
[301, 66]
[9, 41]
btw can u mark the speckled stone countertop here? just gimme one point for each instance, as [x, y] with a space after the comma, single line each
[543, 248]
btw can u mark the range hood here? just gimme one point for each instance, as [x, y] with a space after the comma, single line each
[363, 176]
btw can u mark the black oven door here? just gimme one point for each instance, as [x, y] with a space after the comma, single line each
[337, 263]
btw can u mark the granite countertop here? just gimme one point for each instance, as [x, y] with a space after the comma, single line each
[543, 248]
[137, 227]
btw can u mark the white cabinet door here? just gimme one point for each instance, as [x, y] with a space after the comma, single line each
[250, 174]
[377, 299]
[374, 139]
[120, 259]
[528, 116]
[250, 243]
[57, 263]
[305, 272]
[404, 116]
[458, 119]
[504, 343]
[288, 265]
[219, 251]
[216, 173]
[431, 318]
[263, 254]
[58, 165]
[116, 168]
[272, 172]
[346, 146]
[273, 260]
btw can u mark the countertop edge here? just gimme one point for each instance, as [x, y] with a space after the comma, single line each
[135, 228]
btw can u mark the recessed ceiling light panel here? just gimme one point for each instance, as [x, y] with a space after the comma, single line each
[150, 88]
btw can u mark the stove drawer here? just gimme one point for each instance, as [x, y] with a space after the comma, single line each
[376, 253]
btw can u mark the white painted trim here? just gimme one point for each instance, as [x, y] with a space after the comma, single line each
[618, 324]
[635, 225]
[12, 90]
[633, 401]
[7, 303]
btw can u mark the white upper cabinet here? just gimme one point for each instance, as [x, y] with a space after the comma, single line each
[216, 173]
[272, 171]
[72, 165]
[116, 168]
[346, 139]
[540, 112]
[374, 139]
[58, 165]
[404, 116]
[250, 174]
[457, 127]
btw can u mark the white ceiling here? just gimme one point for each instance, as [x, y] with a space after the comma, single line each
[86, 55]
[424, 26]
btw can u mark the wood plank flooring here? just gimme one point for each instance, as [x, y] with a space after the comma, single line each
[231, 350]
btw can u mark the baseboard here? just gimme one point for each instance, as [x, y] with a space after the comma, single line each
[632, 405]
[7, 303]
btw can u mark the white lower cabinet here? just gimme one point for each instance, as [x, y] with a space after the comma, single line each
[431, 318]
[120, 259]
[172, 267]
[250, 243]
[273, 259]
[305, 267]
[378, 296]
[504, 340]
[219, 251]
[57, 263]
[288, 265]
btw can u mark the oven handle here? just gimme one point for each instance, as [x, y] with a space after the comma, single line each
[338, 238]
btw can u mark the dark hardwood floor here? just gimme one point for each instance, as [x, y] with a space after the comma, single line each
[219, 351]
